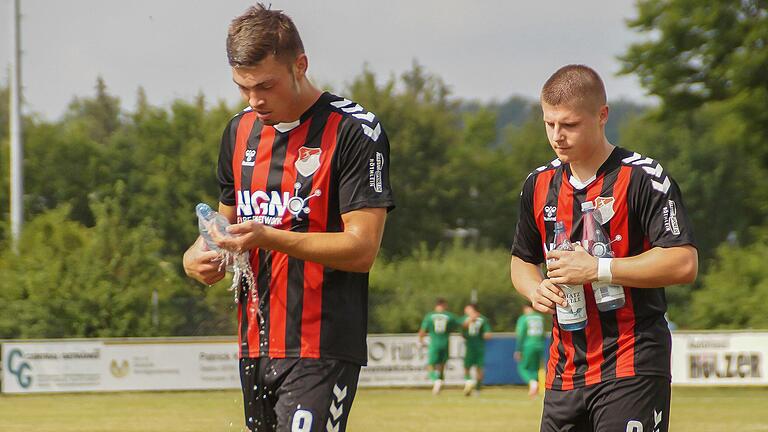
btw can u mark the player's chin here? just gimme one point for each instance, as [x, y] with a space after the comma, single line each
[563, 155]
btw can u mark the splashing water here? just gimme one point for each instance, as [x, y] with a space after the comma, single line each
[241, 269]
[243, 279]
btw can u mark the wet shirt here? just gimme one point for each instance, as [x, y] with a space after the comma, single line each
[303, 177]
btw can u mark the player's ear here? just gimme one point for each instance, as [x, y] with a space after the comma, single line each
[603, 115]
[300, 66]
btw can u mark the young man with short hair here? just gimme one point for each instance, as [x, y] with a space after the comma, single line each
[614, 375]
[438, 324]
[476, 329]
[304, 179]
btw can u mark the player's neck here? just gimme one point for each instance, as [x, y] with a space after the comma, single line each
[307, 97]
[586, 168]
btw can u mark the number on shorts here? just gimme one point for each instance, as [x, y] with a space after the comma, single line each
[634, 426]
[302, 421]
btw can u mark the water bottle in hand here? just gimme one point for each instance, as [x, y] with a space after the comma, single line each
[608, 296]
[208, 218]
[574, 315]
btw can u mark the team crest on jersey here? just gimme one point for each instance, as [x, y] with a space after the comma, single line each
[250, 157]
[604, 209]
[308, 161]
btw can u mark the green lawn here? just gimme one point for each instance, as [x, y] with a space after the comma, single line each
[498, 409]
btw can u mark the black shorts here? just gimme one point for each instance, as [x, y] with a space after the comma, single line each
[297, 395]
[636, 404]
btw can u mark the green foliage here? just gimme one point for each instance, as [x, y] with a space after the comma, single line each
[402, 291]
[74, 281]
[702, 51]
[734, 291]
[707, 63]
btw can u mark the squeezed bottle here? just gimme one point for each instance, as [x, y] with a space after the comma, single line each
[207, 216]
[608, 296]
[574, 315]
[237, 263]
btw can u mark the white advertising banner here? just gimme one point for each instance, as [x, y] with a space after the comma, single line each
[174, 366]
[113, 366]
[52, 367]
[74, 366]
[399, 360]
[727, 358]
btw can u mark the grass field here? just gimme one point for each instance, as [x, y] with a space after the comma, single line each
[498, 409]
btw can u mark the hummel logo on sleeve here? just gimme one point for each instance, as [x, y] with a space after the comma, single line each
[659, 181]
[374, 130]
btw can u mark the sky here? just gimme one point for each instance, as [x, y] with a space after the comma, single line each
[483, 50]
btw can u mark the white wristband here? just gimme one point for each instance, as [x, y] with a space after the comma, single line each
[604, 270]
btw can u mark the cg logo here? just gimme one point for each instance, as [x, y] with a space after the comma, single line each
[19, 368]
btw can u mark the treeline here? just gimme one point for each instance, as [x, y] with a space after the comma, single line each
[109, 194]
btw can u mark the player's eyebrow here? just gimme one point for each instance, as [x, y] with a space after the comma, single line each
[253, 86]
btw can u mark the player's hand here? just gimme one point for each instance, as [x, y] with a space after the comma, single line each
[201, 263]
[244, 236]
[517, 356]
[572, 267]
[547, 296]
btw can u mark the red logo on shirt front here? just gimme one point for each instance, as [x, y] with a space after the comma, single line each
[604, 209]
[308, 161]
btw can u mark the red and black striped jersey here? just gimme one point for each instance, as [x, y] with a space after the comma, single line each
[302, 177]
[643, 205]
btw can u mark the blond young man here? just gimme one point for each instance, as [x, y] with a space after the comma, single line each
[304, 180]
[614, 375]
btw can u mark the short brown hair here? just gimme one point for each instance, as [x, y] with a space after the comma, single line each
[574, 84]
[259, 32]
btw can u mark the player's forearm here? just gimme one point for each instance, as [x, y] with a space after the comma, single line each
[526, 277]
[657, 267]
[347, 251]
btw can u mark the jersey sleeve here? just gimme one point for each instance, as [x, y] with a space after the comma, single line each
[486, 326]
[425, 323]
[527, 243]
[364, 166]
[224, 173]
[658, 203]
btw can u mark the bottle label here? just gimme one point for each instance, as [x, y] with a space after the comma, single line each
[576, 310]
[607, 292]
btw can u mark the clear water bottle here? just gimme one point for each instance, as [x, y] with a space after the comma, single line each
[608, 296]
[205, 216]
[574, 315]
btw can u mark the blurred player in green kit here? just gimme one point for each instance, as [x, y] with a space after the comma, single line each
[529, 347]
[438, 324]
[475, 329]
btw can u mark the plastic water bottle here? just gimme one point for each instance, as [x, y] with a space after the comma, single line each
[574, 315]
[608, 296]
[205, 216]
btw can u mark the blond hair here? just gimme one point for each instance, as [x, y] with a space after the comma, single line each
[574, 85]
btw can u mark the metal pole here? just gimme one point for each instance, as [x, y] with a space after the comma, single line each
[17, 151]
[155, 308]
